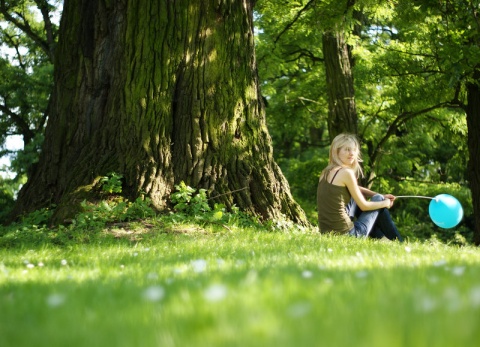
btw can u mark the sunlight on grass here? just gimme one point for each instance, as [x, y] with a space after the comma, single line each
[240, 288]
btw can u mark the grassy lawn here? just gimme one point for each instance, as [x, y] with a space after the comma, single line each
[191, 286]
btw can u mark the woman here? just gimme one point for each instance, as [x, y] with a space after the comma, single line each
[339, 195]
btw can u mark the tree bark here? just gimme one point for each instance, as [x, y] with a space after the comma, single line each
[342, 113]
[473, 125]
[160, 92]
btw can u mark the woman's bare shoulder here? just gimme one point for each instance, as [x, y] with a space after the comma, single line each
[347, 171]
[341, 176]
[347, 174]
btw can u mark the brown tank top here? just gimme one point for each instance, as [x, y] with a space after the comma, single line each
[331, 203]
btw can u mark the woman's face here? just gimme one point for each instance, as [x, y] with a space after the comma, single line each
[348, 154]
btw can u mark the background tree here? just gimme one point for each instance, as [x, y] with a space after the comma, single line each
[28, 37]
[160, 92]
[338, 60]
[27, 41]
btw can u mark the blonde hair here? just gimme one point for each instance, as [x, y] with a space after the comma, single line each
[340, 141]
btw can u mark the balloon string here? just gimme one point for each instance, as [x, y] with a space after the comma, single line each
[415, 196]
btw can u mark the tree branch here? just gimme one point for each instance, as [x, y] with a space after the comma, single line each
[301, 52]
[25, 27]
[49, 29]
[9, 39]
[390, 49]
[295, 19]
[20, 123]
[400, 120]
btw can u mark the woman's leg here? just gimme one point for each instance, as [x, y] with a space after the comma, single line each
[364, 224]
[360, 229]
[376, 233]
[385, 223]
[353, 210]
[375, 223]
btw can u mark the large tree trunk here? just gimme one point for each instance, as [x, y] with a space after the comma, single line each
[473, 124]
[342, 114]
[160, 92]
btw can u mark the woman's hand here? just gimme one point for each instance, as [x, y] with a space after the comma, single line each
[391, 198]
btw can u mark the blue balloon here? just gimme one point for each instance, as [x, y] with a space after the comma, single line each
[445, 211]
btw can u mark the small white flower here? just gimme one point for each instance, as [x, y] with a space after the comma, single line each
[135, 254]
[458, 270]
[440, 262]
[199, 265]
[330, 250]
[55, 300]
[154, 293]
[408, 249]
[40, 264]
[216, 292]
[30, 266]
[307, 274]
[64, 262]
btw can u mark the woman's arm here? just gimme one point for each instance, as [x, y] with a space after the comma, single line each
[369, 193]
[358, 193]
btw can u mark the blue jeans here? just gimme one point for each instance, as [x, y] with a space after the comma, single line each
[375, 223]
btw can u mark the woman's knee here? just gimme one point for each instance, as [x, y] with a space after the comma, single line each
[377, 197]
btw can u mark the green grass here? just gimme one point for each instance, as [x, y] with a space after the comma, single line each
[190, 286]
